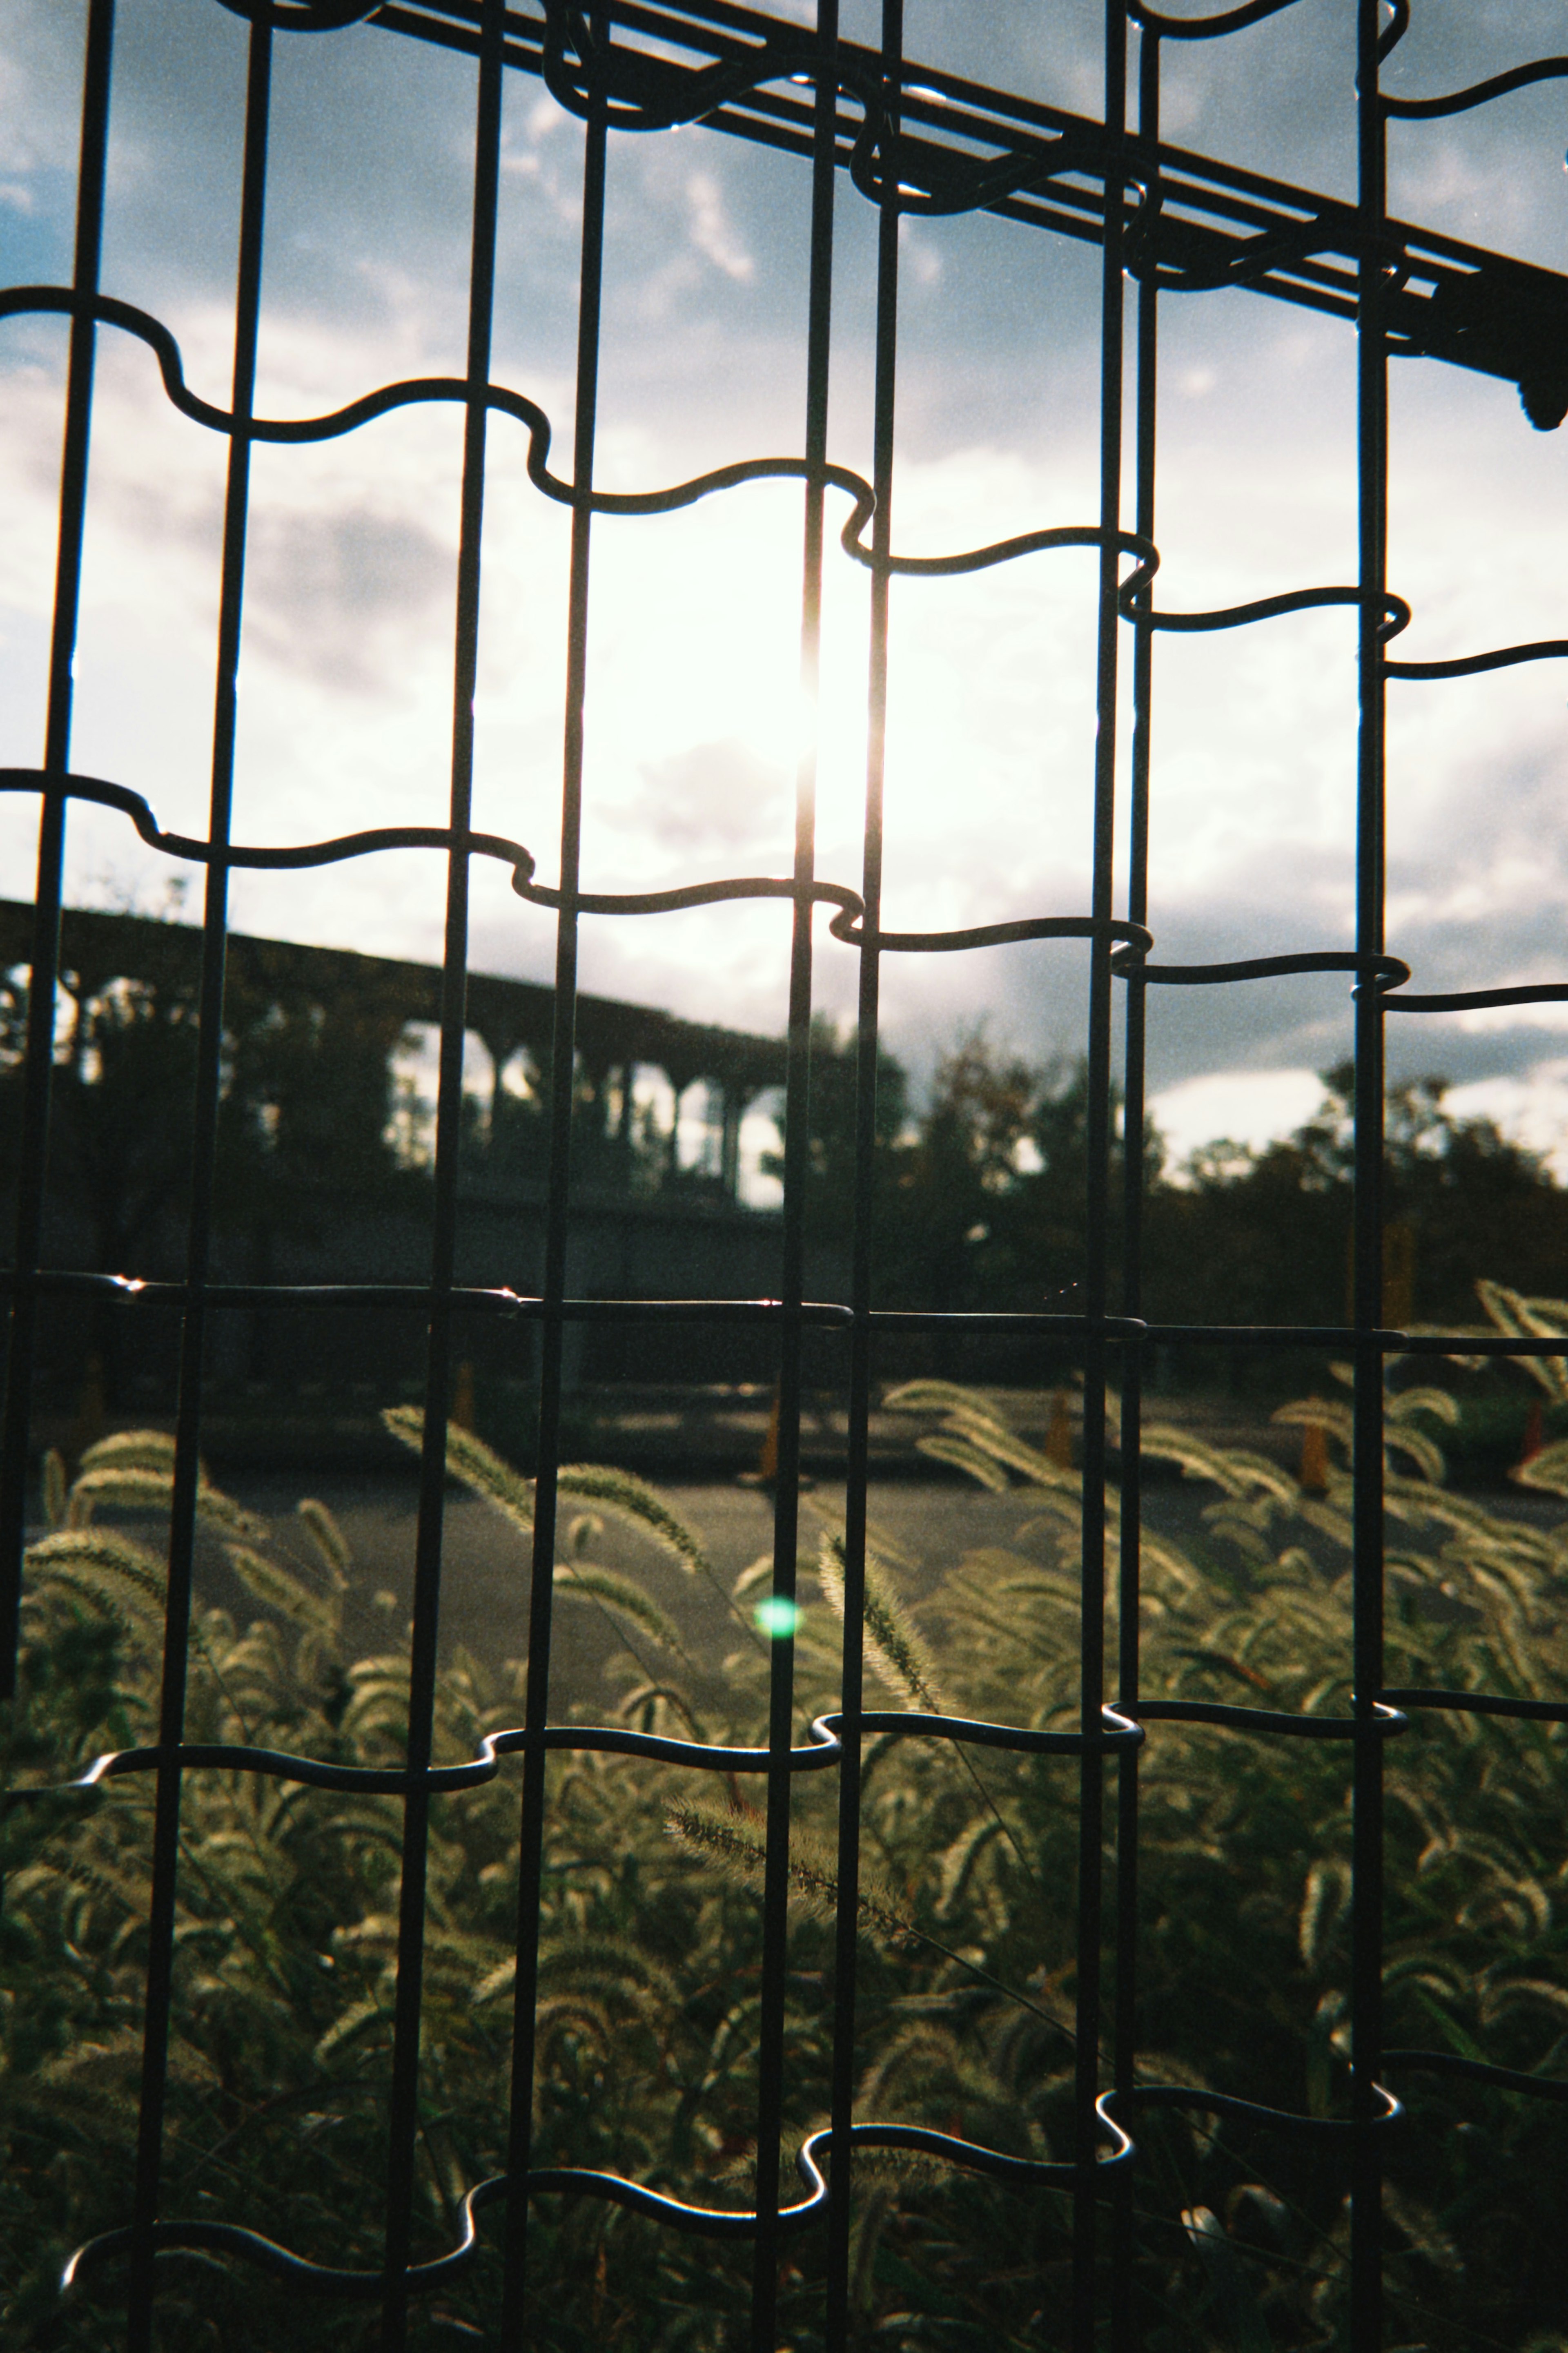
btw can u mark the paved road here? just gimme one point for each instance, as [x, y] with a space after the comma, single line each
[484, 1596]
[485, 1577]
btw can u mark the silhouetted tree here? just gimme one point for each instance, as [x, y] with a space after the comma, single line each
[1262, 1235]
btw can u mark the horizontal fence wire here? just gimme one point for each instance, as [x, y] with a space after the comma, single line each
[911, 141]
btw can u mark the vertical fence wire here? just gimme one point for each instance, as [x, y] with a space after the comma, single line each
[1135, 1175]
[1088, 1959]
[43, 979]
[194, 1323]
[771, 2021]
[1367, 1306]
[403, 2119]
[858, 1448]
[588, 70]
[563, 1074]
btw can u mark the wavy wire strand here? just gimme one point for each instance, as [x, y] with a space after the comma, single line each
[1132, 940]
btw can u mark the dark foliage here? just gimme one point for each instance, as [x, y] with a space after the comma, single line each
[650, 1926]
[980, 1199]
[1263, 1235]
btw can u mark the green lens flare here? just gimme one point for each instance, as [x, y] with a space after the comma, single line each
[777, 1617]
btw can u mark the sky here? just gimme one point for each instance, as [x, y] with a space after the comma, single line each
[694, 709]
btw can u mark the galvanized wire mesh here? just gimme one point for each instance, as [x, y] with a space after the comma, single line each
[911, 141]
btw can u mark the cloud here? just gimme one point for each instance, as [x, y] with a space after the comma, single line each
[40, 63]
[694, 630]
[711, 797]
[712, 232]
[1534, 1108]
[1249, 1107]
[919, 261]
[339, 596]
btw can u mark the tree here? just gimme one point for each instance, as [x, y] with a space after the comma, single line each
[832, 1152]
[1262, 1234]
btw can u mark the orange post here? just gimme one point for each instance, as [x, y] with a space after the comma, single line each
[768, 1462]
[1312, 1478]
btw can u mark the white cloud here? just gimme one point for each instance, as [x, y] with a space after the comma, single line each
[918, 259]
[1533, 1108]
[1250, 1108]
[712, 232]
[694, 718]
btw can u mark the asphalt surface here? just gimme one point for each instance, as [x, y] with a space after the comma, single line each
[485, 1575]
[485, 1562]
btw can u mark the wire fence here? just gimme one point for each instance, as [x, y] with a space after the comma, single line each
[908, 140]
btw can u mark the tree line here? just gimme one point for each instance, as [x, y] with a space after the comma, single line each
[978, 1186]
[981, 1199]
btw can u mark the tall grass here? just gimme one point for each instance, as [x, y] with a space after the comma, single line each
[649, 1979]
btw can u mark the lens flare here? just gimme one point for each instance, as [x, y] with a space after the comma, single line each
[777, 1617]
